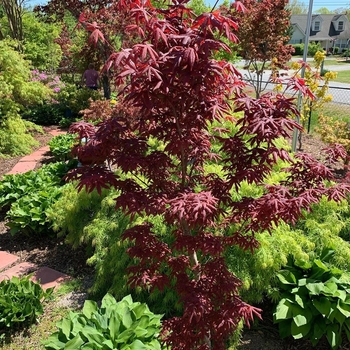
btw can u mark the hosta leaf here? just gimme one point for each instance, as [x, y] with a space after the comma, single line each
[138, 345]
[300, 301]
[319, 329]
[108, 345]
[127, 319]
[330, 288]
[66, 327]
[341, 294]
[283, 311]
[339, 317]
[303, 319]
[323, 305]
[315, 288]
[74, 343]
[344, 308]
[140, 332]
[94, 336]
[286, 277]
[114, 325]
[299, 332]
[284, 329]
[107, 301]
[89, 308]
[139, 310]
[333, 335]
[125, 336]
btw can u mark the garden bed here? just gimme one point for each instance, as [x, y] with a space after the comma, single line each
[43, 250]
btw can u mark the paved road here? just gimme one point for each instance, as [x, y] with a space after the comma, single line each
[339, 91]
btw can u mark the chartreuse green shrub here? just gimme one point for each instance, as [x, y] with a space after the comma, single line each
[17, 92]
[27, 197]
[314, 302]
[322, 228]
[123, 325]
[258, 270]
[20, 303]
[100, 227]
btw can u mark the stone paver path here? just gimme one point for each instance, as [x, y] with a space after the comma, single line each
[10, 264]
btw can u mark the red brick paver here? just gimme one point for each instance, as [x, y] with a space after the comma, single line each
[7, 259]
[48, 277]
[22, 167]
[18, 270]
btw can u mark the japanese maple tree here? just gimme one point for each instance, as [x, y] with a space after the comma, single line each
[173, 90]
[263, 37]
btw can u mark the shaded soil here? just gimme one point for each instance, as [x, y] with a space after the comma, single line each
[51, 251]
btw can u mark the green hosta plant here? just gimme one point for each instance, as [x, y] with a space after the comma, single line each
[27, 197]
[20, 303]
[123, 325]
[28, 213]
[15, 186]
[61, 146]
[314, 302]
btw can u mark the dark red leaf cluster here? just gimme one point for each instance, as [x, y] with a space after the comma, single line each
[336, 152]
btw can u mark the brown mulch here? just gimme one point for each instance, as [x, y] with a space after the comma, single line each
[51, 251]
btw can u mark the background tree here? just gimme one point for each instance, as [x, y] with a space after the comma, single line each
[17, 92]
[76, 44]
[263, 37]
[324, 11]
[297, 7]
[185, 99]
[14, 10]
[39, 44]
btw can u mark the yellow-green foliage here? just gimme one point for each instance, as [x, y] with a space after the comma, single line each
[258, 269]
[325, 226]
[320, 229]
[16, 92]
[73, 212]
[334, 130]
[15, 79]
[92, 219]
[15, 139]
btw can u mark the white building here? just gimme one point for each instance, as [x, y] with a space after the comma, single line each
[328, 30]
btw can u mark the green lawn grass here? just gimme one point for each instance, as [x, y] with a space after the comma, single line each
[343, 76]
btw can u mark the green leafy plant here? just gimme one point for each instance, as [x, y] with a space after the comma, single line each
[15, 186]
[28, 214]
[75, 99]
[20, 303]
[124, 325]
[26, 197]
[314, 302]
[61, 146]
[45, 114]
[17, 92]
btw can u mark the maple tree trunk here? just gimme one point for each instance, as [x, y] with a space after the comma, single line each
[106, 86]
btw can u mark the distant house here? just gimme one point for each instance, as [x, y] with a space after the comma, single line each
[328, 30]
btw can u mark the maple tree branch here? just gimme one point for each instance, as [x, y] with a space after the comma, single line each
[214, 6]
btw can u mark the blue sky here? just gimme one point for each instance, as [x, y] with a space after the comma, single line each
[331, 5]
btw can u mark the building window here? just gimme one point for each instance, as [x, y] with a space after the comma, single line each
[317, 26]
[340, 25]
